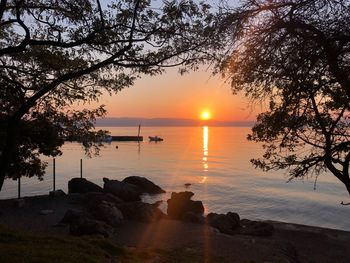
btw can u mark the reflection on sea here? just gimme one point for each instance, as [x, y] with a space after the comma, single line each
[205, 153]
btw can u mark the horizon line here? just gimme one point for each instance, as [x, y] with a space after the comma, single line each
[167, 122]
[172, 118]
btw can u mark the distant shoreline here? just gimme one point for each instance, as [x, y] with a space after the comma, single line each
[168, 122]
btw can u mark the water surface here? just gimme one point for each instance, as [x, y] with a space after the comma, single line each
[215, 161]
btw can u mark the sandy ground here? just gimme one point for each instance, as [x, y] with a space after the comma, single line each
[289, 243]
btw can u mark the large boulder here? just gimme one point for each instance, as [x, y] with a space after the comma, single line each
[108, 213]
[72, 216]
[80, 223]
[76, 198]
[191, 217]
[93, 199]
[180, 203]
[256, 228]
[227, 224]
[144, 185]
[140, 211]
[82, 186]
[125, 191]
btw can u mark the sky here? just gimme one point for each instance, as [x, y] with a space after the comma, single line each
[172, 95]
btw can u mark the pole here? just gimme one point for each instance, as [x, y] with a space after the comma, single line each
[54, 174]
[81, 168]
[19, 187]
[138, 134]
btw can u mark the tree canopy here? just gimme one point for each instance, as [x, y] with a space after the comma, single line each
[54, 54]
[294, 56]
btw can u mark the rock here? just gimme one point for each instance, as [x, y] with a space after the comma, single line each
[180, 203]
[227, 224]
[93, 199]
[72, 216]
[144, 185]
[234, 217]
[76, 198]
[256, 228]
[46, 212]
[87, 226]
[82, 186]
[125, 191]
[108, 213]
[187, 185]
[58, 192]
[191, 217]
[141, 211]
[80, 223]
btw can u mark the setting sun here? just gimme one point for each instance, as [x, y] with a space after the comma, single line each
[205, 115]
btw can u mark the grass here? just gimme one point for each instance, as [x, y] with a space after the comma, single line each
[22, 247]
[18, 247]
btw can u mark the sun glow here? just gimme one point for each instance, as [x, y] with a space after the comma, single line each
[205, 115]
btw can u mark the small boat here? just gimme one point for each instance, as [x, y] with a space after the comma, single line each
[155, 139]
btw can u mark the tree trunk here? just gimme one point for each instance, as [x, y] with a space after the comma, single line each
[342, 176]
[7, 151]
[347, 185]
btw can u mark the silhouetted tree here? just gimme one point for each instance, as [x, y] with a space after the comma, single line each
[54, 54]
[295, 56]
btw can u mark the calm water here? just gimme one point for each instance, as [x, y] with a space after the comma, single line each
[215, 160]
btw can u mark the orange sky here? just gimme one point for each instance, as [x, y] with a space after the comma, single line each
[174, 96]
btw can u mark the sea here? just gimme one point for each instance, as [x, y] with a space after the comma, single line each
[213, 163]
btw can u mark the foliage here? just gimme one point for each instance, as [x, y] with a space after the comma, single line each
[294, 55]
[46, 133]
[57, 54]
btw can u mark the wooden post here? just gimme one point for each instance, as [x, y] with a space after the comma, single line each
[54, 174]
[19, 187]
[138, 134]
[81, 168]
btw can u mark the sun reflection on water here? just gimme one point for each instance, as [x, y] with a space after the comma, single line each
[205, 152]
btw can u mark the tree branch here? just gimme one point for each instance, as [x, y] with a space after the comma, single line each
[76, 74]
[101, 12]
[2, 8]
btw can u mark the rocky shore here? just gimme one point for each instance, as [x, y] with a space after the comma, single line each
[117, 212]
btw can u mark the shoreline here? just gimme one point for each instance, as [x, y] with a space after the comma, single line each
[307, 242]
[272, 221]
[284, 224]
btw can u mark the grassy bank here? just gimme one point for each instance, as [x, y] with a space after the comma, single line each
[20, 247]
